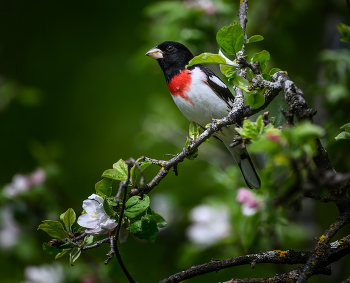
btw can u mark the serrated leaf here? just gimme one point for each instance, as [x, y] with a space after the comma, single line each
[256, 100]
[69, 219]
[135, 206]
[255, 38]
[343, 136]
[61, 254]
[346, 127]
[54, 229]
[74, 255]
[51, 250]
[207, 58]
[230, 38]
[108, 208]
[249, 130]
[262, 57]
[104, 187]
[241, 83]
[274, 71]
[122, 168]
[260, 124]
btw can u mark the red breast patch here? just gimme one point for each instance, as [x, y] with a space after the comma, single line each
[180, 84]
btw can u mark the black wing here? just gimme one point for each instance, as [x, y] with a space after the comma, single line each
[217, 85]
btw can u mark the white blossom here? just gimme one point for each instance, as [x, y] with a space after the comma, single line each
[44, 274]
[95, 218]
[210, 224]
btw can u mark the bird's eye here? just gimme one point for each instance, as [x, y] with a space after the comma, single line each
[169, 48]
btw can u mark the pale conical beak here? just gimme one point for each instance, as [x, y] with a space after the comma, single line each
[155, 53]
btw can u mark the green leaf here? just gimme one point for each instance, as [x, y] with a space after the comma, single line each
[74, 255]
[274, 71]
[187, 143]
[343, 136]
[345, 32]
[135, 227]
[259, 124]
[249, 130]
[346, 127]
[159, 219]
[255, 38]
[104, 187]
[265, 76]
[307, 130]
[268, 127]
[226, 69]
[51, 250]
[207, 58]
[69, 219]
[149, 228]
[256, 100]
[61, 254]
[194, 130]
[122, 168]
[54, 229]
[89, 240]
[262, 57]
[135, 206]
[108, 208]
[66, 246]
[230, 38]
[241, 83]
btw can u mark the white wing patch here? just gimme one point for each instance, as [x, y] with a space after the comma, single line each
[217, 81]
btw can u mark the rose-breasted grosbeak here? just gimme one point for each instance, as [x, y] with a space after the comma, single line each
[201, 96]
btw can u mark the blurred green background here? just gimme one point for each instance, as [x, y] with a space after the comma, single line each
[77, 94]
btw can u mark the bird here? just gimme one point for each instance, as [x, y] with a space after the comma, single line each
[202, 97]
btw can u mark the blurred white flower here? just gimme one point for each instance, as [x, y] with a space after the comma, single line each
[44, 274]
[22, 183]
[250, 203]
[9, 228]
[210, 224]
[95, 217]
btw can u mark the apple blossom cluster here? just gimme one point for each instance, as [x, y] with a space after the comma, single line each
[101, 215]
[22, 183]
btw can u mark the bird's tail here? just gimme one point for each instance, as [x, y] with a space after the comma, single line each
[246, 165]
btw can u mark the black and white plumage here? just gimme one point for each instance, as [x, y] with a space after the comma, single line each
[201, 97]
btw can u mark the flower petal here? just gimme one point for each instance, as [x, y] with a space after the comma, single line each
[96, 198]
[96, 232]
[108, 223]
[90, 206]
[88, 221]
